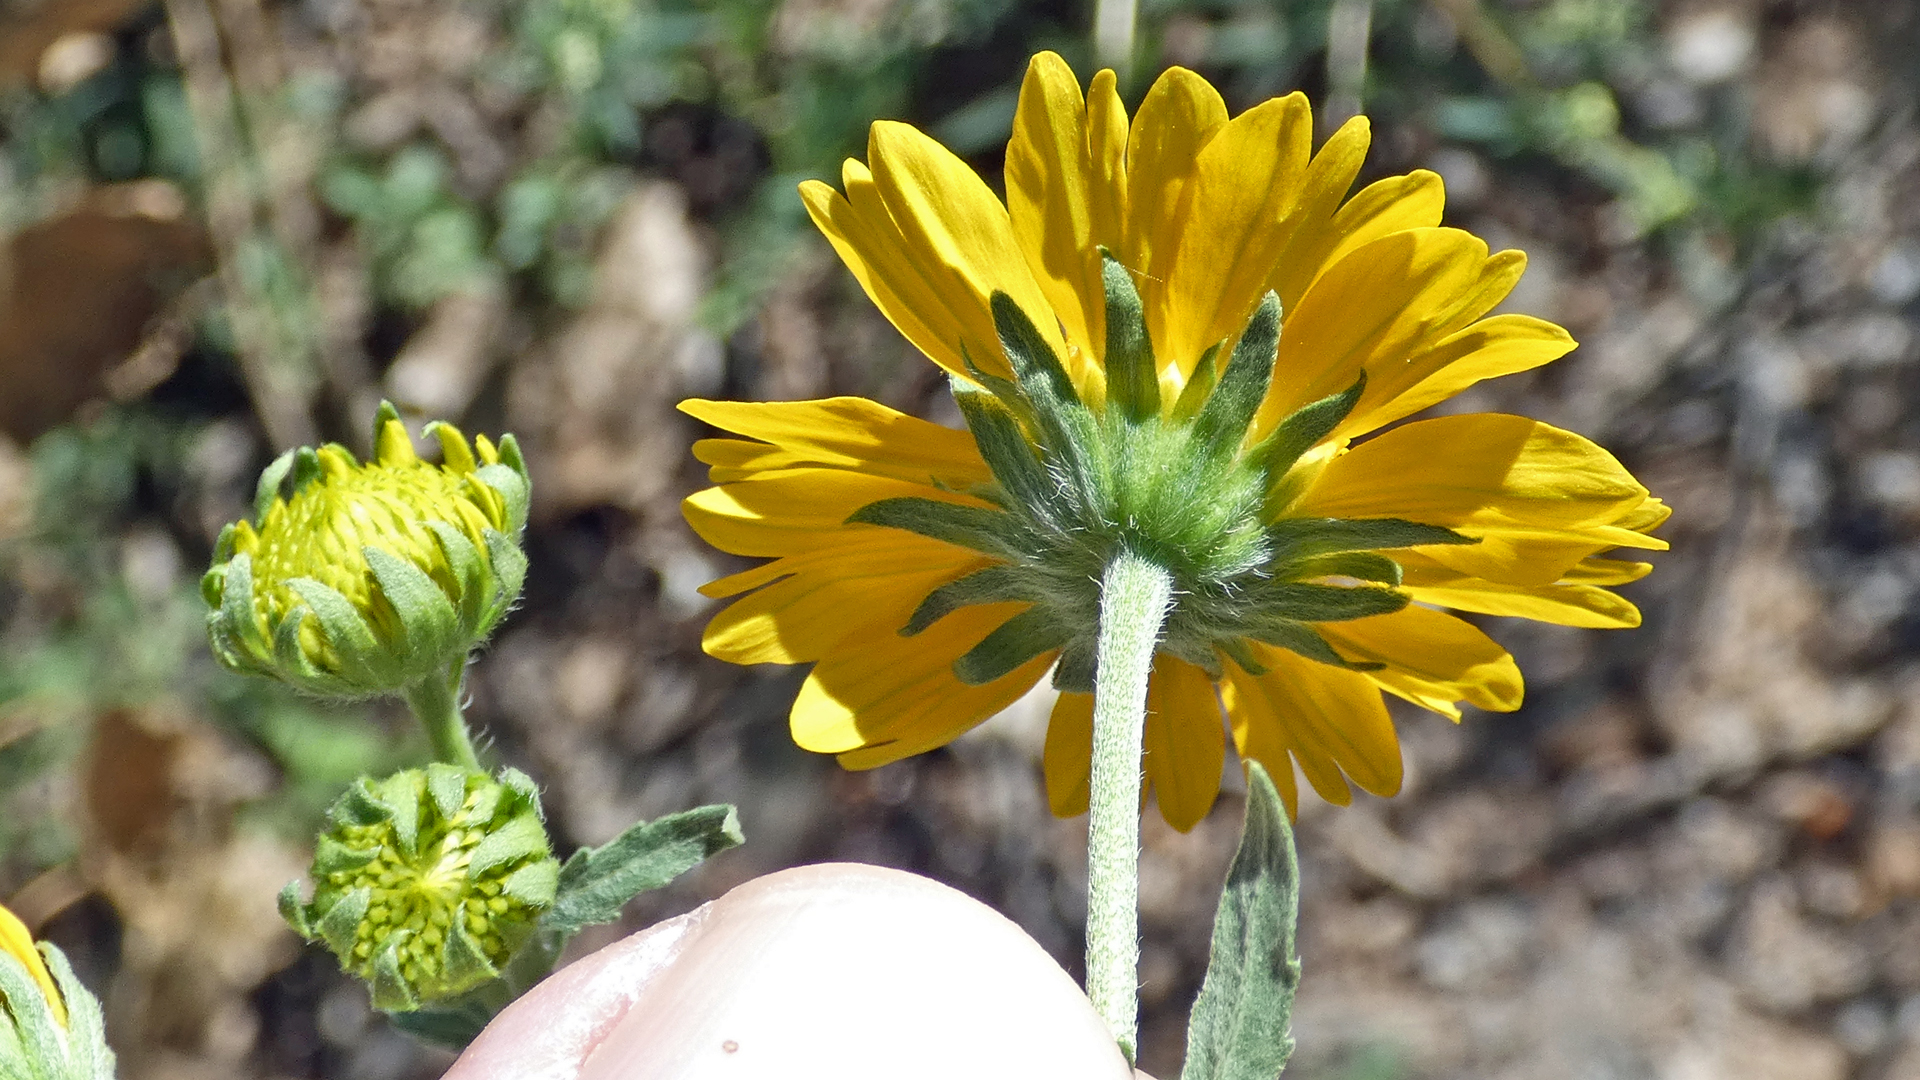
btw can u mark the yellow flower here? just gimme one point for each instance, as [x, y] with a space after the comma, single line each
[1174, 339]
[17, 943]
[366, 578]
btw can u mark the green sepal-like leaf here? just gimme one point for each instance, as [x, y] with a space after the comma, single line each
[268, 489]
[293, 908]
[1133, 378]
[1003, 446]
[432, 625]
[463, 961]
[362, 658]
[1011, 644]
[1239, 1028]
[521, 836]
[989, 585]
[1361, 565]
[391, 992]
[535, 884]
[1074, 671]
[1237, 651]
[1308, 425]
[514, 490]
[39, 1049]
[89, 1057]
[510, 573]
[447, 787]
[1035, 365]
[968, 526]
[470, 573]
[341, 924]
[596, 883]
[1295, 539]
[306, 467]
[1223, 420]
[1306, 602]
[509, 448]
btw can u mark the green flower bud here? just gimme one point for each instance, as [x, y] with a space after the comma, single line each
[365, 578]
[427, 882]
[50, 1025]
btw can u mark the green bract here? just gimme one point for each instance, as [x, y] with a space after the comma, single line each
[362, 579]
[1076, 485]
[37, 1042]
[427, 882]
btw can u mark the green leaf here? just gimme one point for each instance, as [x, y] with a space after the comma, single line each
[1297, 539]
[968, 526]
[1239, 1029]
[1012, 643]
[1194, 395]
[990, 585]
[1308, 425]
[268, 489]
[596, 883]
[1133, 379]
[1008, 454]
[1224, 418]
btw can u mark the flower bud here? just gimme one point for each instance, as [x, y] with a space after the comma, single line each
[50, 1026]
[427, 882]
[365, 578]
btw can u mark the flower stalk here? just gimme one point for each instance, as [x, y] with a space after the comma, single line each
[434, 701]
[1134, 598]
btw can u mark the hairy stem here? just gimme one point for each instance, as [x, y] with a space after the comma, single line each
[1134, 596]
[434, 702]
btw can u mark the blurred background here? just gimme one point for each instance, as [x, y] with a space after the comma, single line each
[231, 226]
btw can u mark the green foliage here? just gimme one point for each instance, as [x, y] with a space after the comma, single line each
[1239, 1029]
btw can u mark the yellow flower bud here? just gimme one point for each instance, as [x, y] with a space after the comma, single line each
[366, 578]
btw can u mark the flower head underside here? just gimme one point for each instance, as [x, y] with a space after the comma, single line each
[1178, 338]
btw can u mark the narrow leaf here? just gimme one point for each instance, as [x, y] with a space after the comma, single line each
[1310, 423]
[1239, 1029]
[968, 526]
[1133, 379]
[1012, 643]
[1224, 419]
[596, 883]
[987, 586]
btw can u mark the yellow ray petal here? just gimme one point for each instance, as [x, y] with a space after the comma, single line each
[843, 432]
[1332, 714]
[1179, 116]
[1069, 754]
[880, 697]
[1049, 189]
[1245, 181]
[1432, 659]
[1185, 742]
[1310, 227]
[1482, 474]
[954, 229]
[834, 593]
[1501, 345]
[1394, 298]
[1392, 205]
[863, 233]
[1607, 572]
[17, 942]
[1563, 603]
[1264, 735]
[795, 511]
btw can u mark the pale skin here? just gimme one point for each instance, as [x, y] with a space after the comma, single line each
[836, 972]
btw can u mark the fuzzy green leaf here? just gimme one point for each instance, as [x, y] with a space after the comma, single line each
[431, 624]
[1295, 539]
[968, 526]
[596, 883]
[986, 586]
[1004, 446]
[1308, 425]
[1223, 420]
[1012, 643]
[1239, 1028]
[1133, 378]
[268, 489]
